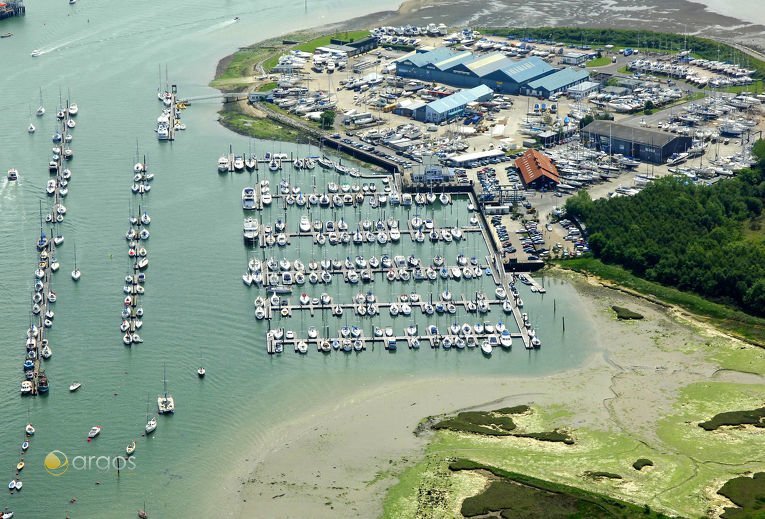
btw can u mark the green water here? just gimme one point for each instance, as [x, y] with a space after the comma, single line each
[107, 55]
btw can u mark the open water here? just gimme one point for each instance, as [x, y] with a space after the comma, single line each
[105, 56]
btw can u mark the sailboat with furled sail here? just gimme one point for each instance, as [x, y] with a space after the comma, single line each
[165, 401]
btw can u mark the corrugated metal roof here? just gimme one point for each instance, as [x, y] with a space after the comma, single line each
[460, 98]
[453, 61]
[622, 132]
[534, 165]
[491, 63]
[559, 79]
[420, 59]
[527, 69]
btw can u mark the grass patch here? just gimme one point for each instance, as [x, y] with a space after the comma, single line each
[259, 128]
[265, 87]
[599, 62]
[746, 493]
[514, 495]
[641, 463]
[730, 320]
[625, 313]
[754, 417]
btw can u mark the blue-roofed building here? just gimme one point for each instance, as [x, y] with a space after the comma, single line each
[466, 70]
[452, 106]
[559, 81]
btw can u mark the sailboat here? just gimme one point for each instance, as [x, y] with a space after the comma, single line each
[165, 402]
[151, 423]
[201, 371]
[41, 109]
[43, 241]
[76, 271]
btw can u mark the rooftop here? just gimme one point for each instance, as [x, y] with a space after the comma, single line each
[534, 165]
[527, 69]
[559, 79]
[460, 98]
[630, 133]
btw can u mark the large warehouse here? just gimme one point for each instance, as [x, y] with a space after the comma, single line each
[466, 70]
[645, 144]
[452, 106]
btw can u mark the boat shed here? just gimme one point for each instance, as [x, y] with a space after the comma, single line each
[452, 106]
[559, 81]
[356, 47]
[642, 143]
[537, 170]
[465, 70]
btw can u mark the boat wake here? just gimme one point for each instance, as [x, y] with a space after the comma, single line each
[220, 25]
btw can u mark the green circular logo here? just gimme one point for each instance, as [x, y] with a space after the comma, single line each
[56, 463]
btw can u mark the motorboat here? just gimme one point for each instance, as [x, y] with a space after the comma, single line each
[29, 429]
[486, 348]
[248, 198]
[35, 53]
[131, 447]
[94, 431]
[223, 164]
[74, 386]
[13, 174]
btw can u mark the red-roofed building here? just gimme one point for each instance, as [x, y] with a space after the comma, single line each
[537, 170]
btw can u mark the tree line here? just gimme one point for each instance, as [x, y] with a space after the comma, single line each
[704, 239]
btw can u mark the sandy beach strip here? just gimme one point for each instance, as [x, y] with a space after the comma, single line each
[339, 460]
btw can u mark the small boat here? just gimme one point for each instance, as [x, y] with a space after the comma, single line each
[31, 128]
[201, 372]
[12, 485]
[25, 445]
[6, 35]
[74, 386]
[130, 449]
[151, 425]
[486, 348]
[36, 52]
[20, 465]
[13, 174]
[94, 431]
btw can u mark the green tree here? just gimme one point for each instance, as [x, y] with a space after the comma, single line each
[327, 119]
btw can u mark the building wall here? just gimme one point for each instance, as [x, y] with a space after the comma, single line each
[456, 80]
[644, 152]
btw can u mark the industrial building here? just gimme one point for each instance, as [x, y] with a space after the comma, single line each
[503, 75]
[433, 174]
[559, 81]
[537, 170]
[452, 106]
[574, 58]
[354, 47]
[641, 143]
[583, 89]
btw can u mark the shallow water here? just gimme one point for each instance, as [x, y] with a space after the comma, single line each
[106, 56]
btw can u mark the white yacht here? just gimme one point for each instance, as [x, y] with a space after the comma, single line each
[223, 164]
[248, 198]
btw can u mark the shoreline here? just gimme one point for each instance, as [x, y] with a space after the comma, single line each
[345, 457]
